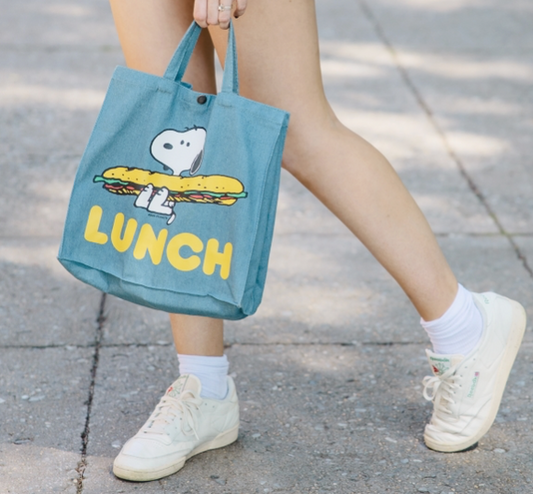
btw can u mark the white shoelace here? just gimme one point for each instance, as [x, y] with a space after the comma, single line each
[442, 386]
[170, 409]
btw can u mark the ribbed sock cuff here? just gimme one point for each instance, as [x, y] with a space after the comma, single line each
[212, 372]
[459, 330]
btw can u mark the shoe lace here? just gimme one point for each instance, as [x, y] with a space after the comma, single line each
[441, 387]
[170, 409]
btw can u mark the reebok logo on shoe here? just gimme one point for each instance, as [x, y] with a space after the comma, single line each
[473, 386]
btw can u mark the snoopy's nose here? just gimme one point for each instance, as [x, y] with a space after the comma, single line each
[167, 145]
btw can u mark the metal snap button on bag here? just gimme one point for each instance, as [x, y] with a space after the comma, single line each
[174, 200]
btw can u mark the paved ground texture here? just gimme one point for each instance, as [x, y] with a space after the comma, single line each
[329, 370]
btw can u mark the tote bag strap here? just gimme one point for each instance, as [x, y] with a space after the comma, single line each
[178, 64]
[230, 81]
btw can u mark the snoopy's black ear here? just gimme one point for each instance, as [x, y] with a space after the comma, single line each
[196, 163]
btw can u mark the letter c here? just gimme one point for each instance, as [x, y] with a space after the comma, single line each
[173, 251]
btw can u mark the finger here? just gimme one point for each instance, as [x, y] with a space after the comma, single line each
[212, 12]
[224, 13]
[240, 8]
[200, 12]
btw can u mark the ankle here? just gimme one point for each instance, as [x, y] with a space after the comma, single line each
[211, 371]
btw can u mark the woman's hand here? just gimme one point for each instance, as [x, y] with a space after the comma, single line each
[217, 12]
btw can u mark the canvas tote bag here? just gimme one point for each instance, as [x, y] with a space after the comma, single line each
[174, 201]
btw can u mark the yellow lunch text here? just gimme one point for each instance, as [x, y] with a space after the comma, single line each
[147, 242]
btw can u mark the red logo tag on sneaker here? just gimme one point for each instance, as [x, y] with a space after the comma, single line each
[439, 365]
[177, 387]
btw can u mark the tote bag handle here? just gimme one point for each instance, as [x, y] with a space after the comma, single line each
[178, 64]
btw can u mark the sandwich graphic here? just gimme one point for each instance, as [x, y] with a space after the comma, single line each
[181, 153]
[159, 192]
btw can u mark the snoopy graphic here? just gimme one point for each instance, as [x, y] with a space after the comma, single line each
[178, 152]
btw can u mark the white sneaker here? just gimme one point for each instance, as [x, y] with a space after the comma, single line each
[467, 391]
[182, 425]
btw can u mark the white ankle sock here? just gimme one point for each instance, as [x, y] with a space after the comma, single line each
[212, 372]
[459, 330]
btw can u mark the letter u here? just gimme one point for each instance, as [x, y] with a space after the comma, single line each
[148, 242]
[122, 244]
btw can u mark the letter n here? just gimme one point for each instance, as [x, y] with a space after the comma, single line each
[148, 242]
[214, 257]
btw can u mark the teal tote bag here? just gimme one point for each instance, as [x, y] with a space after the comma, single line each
[174, 200]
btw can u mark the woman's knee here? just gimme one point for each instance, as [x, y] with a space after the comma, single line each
[311, 141]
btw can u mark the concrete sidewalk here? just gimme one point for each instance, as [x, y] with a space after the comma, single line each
[444, 90]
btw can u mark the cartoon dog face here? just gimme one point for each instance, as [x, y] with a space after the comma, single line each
[180, 151]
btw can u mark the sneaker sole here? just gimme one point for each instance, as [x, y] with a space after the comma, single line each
[515, 339]
[224, 439]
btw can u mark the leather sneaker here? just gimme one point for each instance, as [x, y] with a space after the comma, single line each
[182, 425]
[467, 390]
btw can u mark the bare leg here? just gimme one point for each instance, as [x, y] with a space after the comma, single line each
[279, 65]
[194, 335]
[149, 37]
[149, 34]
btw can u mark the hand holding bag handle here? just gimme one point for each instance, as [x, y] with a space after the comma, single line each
[178, 64]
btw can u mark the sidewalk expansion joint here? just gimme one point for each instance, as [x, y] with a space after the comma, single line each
[483, 234]
[380, 32]
[326, 343]
[83, 347]
[82, 464]
[46, 347]
[99, 345]
[31, 238]
[11, 47]
[349, 235]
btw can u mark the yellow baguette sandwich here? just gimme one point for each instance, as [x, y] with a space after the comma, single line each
[210, 189]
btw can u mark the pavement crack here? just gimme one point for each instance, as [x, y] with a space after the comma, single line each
[82, 464]
[369, 14]
[391, 343]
